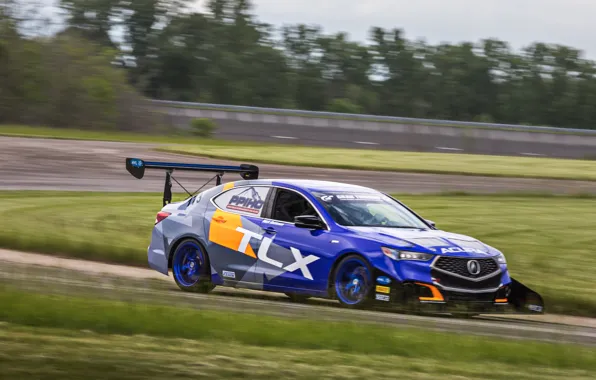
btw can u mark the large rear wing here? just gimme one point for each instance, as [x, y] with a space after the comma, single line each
[136, 167]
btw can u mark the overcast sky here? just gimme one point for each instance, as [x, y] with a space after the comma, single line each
[520, 22]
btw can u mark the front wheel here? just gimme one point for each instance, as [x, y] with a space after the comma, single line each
[353, 281]
[190, 267]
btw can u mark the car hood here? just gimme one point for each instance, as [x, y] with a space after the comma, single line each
[431, 241]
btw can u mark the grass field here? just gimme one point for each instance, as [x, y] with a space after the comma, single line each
[46, 337]
[49, 354]
[438, 163]
[81, 134]
[365, 159]
[547, 241]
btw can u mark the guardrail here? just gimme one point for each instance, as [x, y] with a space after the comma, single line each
[372, 118]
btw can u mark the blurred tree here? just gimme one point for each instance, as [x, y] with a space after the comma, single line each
[303, 54]
[344, 106]
[225, 55]
[11, 81]
[65, 81]
[94, 19]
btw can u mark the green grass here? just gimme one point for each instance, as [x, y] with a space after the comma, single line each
[82, 134]
[70, 335]
[548, 241]
[364, 159]
[49, 354]
[105, 227]
[415, 162]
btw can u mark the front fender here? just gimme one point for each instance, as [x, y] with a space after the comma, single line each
[339, 257]
[402, 271]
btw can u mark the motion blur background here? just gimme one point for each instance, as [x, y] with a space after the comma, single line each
[493, 138]
[74, 63]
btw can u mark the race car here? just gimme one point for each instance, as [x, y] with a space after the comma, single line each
[308, 238]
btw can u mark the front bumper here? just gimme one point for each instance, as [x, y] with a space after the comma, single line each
[512, 298]
[447, 285]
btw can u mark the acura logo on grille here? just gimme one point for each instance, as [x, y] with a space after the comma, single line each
[473, 267]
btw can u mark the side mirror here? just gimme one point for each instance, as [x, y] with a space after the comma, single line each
[431, 223]
[308, 221]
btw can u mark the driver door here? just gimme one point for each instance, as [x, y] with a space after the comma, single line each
[291, 257]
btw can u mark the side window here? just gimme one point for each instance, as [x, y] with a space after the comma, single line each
[289, 204]
[243, 200]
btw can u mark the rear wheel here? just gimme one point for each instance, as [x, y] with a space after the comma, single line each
[190, 267]
[353, 281]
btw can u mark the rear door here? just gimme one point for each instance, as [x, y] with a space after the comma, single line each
[232, 232]
[291, 257]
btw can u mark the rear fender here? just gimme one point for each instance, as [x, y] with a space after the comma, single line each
[524, 299]
[172, 246]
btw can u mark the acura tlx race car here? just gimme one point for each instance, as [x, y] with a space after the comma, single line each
[307, 238]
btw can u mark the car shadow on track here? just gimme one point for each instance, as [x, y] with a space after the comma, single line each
[282, 299]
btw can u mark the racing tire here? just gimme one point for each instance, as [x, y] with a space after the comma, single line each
[191, 268]
[352, 282]
[297, 297]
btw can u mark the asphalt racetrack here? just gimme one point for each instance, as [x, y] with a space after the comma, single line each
[43, 164]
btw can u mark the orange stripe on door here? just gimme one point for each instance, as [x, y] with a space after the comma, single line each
[222, 231]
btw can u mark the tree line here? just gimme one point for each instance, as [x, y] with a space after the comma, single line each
[226, 55]
[64, 81]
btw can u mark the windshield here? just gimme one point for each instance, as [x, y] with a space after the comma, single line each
[367, 210]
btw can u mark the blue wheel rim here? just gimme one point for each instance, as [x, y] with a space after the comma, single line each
[188, 263]
[352, 281]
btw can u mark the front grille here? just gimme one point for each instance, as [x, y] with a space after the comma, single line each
[459, 266]
[450, 281]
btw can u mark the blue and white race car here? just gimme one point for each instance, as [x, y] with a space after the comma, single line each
[308, 238]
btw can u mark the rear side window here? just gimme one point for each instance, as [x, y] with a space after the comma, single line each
[243, 200]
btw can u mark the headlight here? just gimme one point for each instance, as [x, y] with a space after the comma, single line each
[501, 259]
[396, 254]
